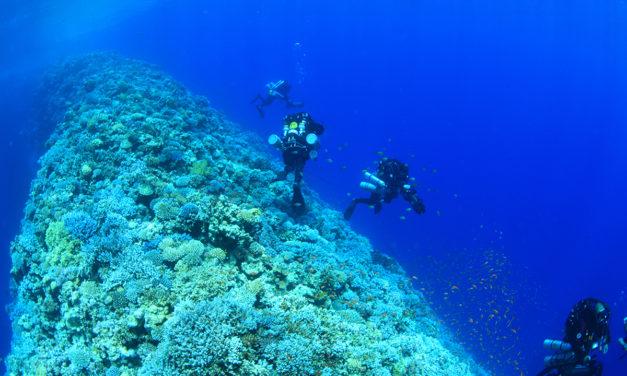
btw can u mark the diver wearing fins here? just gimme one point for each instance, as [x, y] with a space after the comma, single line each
[298, 144]
[391, 178]
[276, 90]
[587, 329]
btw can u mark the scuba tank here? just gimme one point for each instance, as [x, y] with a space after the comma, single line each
[368, 187]
[374, 184]
[554, 344]
[275, 141]
[374, 179]
[559, 359]
[311, 139]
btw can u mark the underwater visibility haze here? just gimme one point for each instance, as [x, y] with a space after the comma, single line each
[148, 229]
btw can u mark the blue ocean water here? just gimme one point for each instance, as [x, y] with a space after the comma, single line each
[510, 114]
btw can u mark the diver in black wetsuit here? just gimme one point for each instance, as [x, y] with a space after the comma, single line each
[392, 178]
[276, 90]
[623, 340]
[587, 329]
[299, 143]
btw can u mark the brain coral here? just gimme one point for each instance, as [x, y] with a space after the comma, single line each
[174, 252]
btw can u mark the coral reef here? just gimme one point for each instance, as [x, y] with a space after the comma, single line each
[155, 242]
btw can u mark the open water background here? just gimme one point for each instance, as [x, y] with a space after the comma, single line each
[511, 115]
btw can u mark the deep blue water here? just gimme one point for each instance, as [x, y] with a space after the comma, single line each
[511, 115]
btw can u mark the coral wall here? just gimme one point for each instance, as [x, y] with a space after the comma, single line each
[156, 242]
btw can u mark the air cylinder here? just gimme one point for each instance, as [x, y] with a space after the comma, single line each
[374, 179]
[559, 359]
[368, 186]
[554, 344]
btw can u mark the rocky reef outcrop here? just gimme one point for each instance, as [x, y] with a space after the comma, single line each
[156, 242]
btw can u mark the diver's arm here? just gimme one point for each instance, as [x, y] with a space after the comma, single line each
[411, 196]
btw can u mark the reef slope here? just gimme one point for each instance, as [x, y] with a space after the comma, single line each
[155, 242]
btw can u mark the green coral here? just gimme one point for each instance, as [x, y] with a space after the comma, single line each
[63, 247]
[173, 251]
[200, 167]
[250, 215]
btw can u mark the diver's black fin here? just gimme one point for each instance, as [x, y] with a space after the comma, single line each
[348, 213]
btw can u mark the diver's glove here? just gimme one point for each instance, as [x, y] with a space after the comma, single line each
[411, 196]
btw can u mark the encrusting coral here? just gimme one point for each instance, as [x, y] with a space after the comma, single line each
[156, 242]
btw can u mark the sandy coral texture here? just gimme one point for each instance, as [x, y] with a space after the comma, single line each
[155, 242]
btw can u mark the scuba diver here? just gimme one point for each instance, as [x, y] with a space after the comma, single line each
[587, 329]
[391, 178]
[623, 340]
[299, 143]
[276, 90]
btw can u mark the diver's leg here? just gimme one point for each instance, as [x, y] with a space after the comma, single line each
[348, 213]
[283, 174]
[375, 200]
[257, 97]
[264, 102]
[291, 164]
[298, 171]
[268, 100]
[297, 199]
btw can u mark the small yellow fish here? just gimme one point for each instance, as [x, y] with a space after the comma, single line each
[407, 209]
[329, 160]
[411, 156]
[402, 217]
[348, 194]
[439, 213]
[380, 152]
